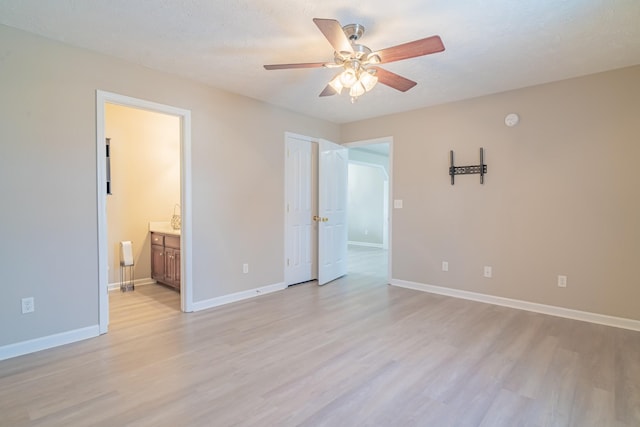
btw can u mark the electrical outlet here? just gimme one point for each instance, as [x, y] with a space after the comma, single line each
[245, 268]
[445, 266]
[488, 271]
[28, 305]
[562, 281]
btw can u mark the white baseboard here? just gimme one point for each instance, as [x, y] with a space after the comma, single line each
[137, 282]
[50, 341]
[585, 316]
[367, 244]
[238, 296]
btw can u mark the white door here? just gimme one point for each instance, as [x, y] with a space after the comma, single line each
[332, 211]
[298, 211]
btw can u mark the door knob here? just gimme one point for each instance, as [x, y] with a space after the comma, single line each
[325, 219]
[316, 218]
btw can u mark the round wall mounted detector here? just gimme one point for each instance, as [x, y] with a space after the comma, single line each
[511, 119]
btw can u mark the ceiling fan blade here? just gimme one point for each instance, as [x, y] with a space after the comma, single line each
[288, 66]
[332, 30]
[393, 80]
[328, 91]
[412, 49]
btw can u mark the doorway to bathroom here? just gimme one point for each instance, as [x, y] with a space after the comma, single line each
[142, 183]
[144, 195]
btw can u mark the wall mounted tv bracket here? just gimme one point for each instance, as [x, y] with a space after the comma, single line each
[468, 170]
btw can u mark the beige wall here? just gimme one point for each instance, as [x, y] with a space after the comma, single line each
[48, 181]
[145, 179]
[560, 197]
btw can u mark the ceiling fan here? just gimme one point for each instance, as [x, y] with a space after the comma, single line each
[360, 71]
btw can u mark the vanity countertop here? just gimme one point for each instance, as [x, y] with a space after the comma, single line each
[163, 227]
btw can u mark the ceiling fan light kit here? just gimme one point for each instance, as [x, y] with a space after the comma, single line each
[356, 78]
[360, 72]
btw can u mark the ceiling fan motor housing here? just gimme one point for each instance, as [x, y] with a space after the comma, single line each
[360, 53]
[353, 31]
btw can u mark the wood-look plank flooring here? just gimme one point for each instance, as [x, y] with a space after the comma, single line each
[355, 352]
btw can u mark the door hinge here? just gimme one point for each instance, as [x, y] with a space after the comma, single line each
[287, 207]
[288, 262]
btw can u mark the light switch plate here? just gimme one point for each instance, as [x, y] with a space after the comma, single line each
[397, 204]
[28, 305]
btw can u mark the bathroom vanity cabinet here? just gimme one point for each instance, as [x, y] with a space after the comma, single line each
[165, 259]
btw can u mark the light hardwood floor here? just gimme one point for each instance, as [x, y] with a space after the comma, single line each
[355, 352]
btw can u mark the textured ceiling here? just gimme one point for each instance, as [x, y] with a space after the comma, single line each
[491, 45]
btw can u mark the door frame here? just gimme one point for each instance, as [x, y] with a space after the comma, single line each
[186, 294]
[383, 140]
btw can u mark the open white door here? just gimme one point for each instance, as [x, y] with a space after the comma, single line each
[298, 210]
[333, 166]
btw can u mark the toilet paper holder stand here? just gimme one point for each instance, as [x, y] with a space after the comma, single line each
[126, 266]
